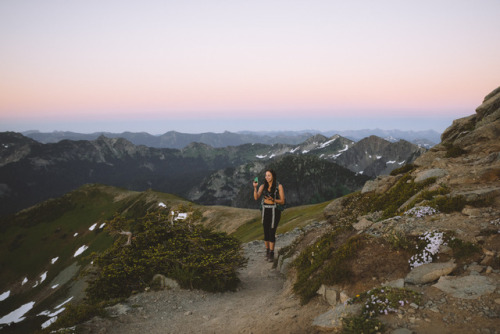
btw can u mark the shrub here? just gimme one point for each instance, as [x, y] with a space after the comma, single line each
[403, 169]
[191, 254]
[453, 151]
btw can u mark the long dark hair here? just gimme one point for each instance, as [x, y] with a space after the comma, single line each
[273, 186]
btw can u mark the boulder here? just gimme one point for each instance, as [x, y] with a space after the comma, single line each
[427, 174]
[381, 184]
[333, 209]
[362, 224]
[332, 320]
[467, 287]
[429, 272]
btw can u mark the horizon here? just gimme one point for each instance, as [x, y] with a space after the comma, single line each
[236, 66]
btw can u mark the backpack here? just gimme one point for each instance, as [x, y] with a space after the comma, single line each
[280, 207]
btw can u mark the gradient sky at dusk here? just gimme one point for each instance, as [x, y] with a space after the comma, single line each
[198, 66]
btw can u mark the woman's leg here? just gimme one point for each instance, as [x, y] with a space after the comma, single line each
[272, 234]
[266, 223]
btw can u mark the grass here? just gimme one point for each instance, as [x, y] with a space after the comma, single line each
[291, 218]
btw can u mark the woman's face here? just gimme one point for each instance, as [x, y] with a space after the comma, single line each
[269, 177]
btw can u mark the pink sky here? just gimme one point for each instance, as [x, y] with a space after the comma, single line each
[81, 66]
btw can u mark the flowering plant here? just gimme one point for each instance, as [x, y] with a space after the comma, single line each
[421, 211]
[431, 241]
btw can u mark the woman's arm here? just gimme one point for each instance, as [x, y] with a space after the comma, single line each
[257, 193]
[281, 200]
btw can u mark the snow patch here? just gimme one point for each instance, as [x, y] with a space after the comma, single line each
[74, 235]
[261, 156]
[4, 295]
[378, 157]
[43, 277]
[91, 228]
[327, 143]
[391, 162]
[54, 260]
[25, 280]
[102, 225]
[54, 286]
[64, 302]
[80, 250]
[161, 204]
[295, 149]
[17, 315]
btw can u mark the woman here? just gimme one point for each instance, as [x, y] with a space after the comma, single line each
[273, 194]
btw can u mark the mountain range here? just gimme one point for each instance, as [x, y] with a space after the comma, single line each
[174, 139]
[31, 171]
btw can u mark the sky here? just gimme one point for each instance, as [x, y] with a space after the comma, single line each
[212, 66]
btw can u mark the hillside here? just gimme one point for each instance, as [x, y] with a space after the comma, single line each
[43, 248]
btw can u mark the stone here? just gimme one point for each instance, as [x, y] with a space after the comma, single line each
[333, 209]
[429, 272]
[343, 297]
[402, 331]
[488, 260]
[118, 310]
[471, 212]
[331, 296]
[466, 287]
[333, 318]
[362, 224]
[399, 283]
[426, 174]
[285, 265]
[163, 282]
[381, 184]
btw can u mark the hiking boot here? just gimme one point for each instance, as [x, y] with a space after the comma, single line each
[267, 253]
[271, 256]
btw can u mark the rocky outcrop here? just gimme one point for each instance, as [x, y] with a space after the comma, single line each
[466, 164]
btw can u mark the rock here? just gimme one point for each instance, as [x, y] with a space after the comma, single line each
[333, 209]
[399, 283]
[162, 282]
[475, 267]
[470, 211]
[426, 174]
[402, 331]
[118, 310]
[285, 265]
[362, 225]
[343, 297]
[333, 318]
[430, 272]
[329, 294]
[381, 184]
[467, 287]
[488, 260]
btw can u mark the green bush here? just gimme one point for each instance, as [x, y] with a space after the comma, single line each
[193, 255]
[403, 169]
[454, 151]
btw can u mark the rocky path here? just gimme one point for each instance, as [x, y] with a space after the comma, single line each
[262, 304]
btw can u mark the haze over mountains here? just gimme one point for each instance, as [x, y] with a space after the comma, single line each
[174, 139]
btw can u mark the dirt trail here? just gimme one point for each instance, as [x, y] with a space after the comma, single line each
[263, 304]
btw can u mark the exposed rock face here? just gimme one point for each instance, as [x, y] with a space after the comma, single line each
[468, 157]
[466, 164]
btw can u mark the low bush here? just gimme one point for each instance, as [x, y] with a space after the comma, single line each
[193, 255]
